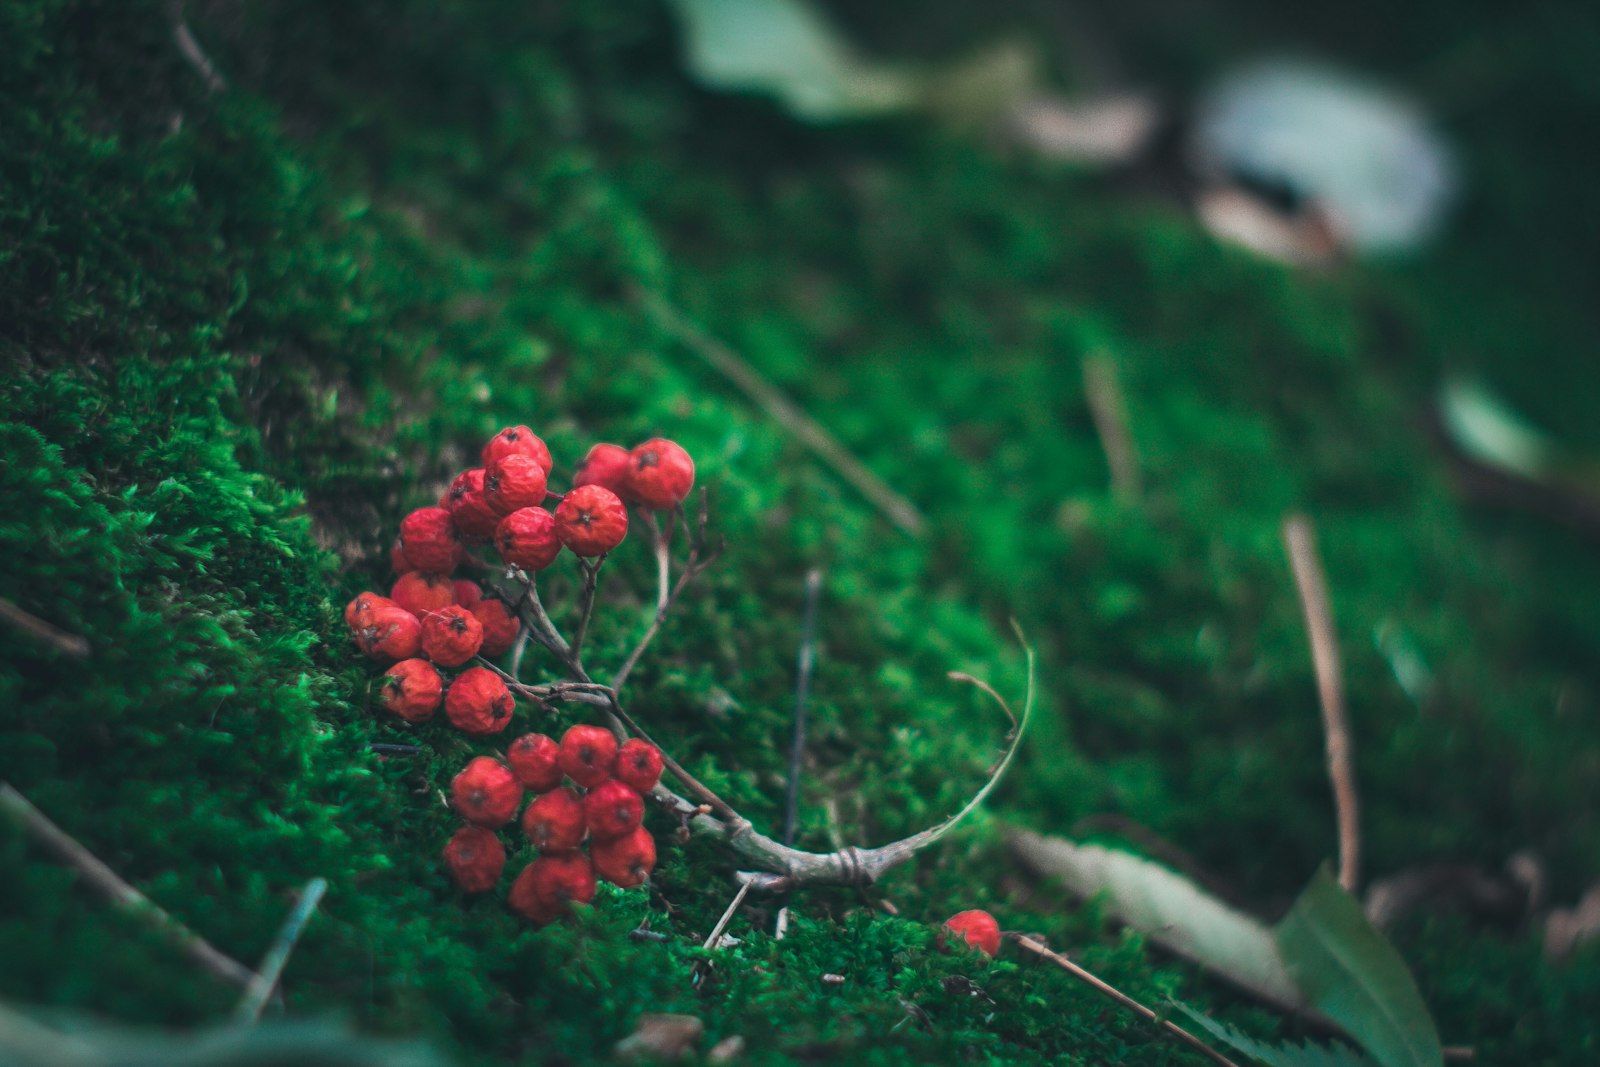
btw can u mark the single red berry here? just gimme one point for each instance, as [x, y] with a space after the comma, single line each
[612, 810]
[397, 559]
[486, 793]
[525, 900]
[527, 538]
[978, 929]
[548, 887]
[661, 474]
[423, 592]
[605, 465]
[429, 540]
[588, 753]
[475, 857]
[514, 482]
[388, 632]
[638, 765]
[626, 861]
[360, 606]
[500, 627]
[451, 636]
[535, 760]
[478, 702]
[517, 440]
[554, 822]
[412, 690]
[469, 594]
[469, 506]
[591, 520]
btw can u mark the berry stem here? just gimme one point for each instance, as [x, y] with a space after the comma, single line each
[591, 582]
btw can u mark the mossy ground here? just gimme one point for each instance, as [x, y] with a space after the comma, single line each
[244, 332]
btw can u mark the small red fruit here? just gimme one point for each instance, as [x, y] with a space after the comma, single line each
[588, 753]
[500, 627]
[554, 822]
[525, 901]
[451, 636]
[361, 605]
[469, 594]
[517, 440]
[486, 793]
[638, 765]
[549, 885]
[397, 559]
[429, 540]
[605, 465]
[476, 858]
[627, 861]
[423, 592]
[412, 690]
[612, 810]
[978, 929]
[527, 538]
[661, 474]
[514, 482]
[469, 507]
[479, 703]
[591, 520]
[388, 632]
[535, 760]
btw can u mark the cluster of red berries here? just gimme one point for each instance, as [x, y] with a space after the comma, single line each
[604, 804]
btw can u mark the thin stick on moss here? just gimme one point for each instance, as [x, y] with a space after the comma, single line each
[1300, 540]
[57, 638]
[802, 689]
[1028, 944]
[1103, 393]
[727, 916]
[104, 880]
[191, 50]
[271, 969]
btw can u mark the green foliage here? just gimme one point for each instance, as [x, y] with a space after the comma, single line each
[1287, 1054]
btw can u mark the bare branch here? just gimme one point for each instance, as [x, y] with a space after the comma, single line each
[63, 642]
[191, 50]
[1110, 413]
[802, 688]
[271, 969]
[591, 582]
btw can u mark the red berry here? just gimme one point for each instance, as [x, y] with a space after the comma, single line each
[486, 793]
[591, 520]
[978, 929]
[361, 605]
[612, 810]
[661, 474]
[469, 507]
[638, 765]
[534, 759]
[549, 885]
[605, 465]
[478, 702]
[517, 440]
[429, 540]
[588, 753]
[554, 822]
[451, 636]
[514, 482]
[475, 857]
[469, 594]
[627, 861]
[423, 592]
[525, 900]
[500, 627]
[527, 538]
[412, 690]
[388, 631]
[397, 559]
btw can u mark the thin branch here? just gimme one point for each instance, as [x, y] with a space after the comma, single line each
[660, 546]
[1300, 541]
[191, 50]
[271, 969]
[727, 917]
[802, 688]
[1106, 989]
[1110, 413]
[104, 880]
[63, 642]
[591, 582]
[701, 556]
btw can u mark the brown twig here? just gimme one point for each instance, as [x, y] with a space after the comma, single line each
[1110, 413]
[1028, 944]
[727, 917]
[191, 50]
[271, 969]
[701, 556]
[802, 689]
[1300, 540]
[104, 880]
[591, 583]
[63, 642]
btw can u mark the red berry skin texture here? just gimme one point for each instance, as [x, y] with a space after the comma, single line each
[638, 765]
[517, 440]
[978, 929]
[588, 754]
[361, 605]
[429, 540]
[451, 636]
[412, 689]
[476, 859]
[535, 760]
[591, 520]
[469, 507]
[563, 878]
[661, 474]
[527, 538]
[554, 822]
[612, 810]
[607, 466]
[486, 793]
[500, 627]
[469, 594]
[626, 861]
[478, 702]
[397, 559]
[388, 632]
[422, 592]
[524, 899]
[514, 482]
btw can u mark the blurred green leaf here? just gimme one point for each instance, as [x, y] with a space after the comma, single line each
[1284, 1055]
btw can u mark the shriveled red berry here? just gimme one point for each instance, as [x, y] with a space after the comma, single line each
[476, 858]
[527, 538]
[361, 605]
[486, 793]
[397, 559]
[978, 929]
[469, 594]
[423, 592]
[554, 822]
[500, 627]
[514, 482]
[591, 520]
[517, 440]
[548, 887]
[588, 754]
[638, 765]
[524, 899]
[605, 465]
[469, 507]
[612, 810]
[535, 760]
[451, 636]
[661, 474]
[412, 689]
[626, 861]
[388, 632]
[478, 702]
[429, 540]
